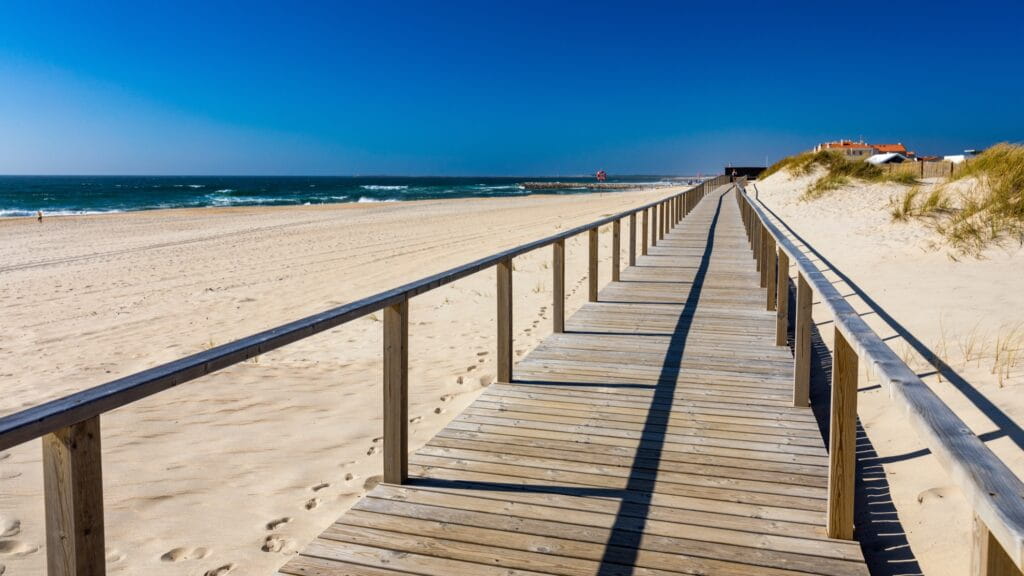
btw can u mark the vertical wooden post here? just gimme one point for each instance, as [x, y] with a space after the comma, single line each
[802, 344]
[505, 320]
[558, 287]
[988, 558]
[782, 310]
[632, 239]
[592, 269]
[616, 249]
[396, 393]
[654, 225]
[842, 440]
[771, 267]
[73, 487]
[643, 232]
[664, 219]
[762, 255]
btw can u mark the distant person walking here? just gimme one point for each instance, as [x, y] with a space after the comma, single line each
[39, 216]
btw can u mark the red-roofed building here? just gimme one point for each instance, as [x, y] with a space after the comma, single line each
[848, 148]
[897, 148]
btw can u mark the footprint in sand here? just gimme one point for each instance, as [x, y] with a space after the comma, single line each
[220, 570]
[275, 524]
[9, 527]
[320, 486]
[312, 503]
[279, 544]
[447, 397]
[349, 477]
[16, 548]
[415, 419]
[2, 569]
[371, 451]
[484, 353]
[932, 494]
[439, 410]
[486, 380]
[470, 368]
[181, 554]
[114, 556]
[459, 380]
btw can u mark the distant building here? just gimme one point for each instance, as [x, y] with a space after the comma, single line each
[852, 150]
[897, 148]
[887, 158]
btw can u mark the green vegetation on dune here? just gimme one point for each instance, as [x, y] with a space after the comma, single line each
[994, 209]
[839, 171]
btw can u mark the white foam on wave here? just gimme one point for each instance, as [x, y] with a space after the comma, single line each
[20, 213]
[197, 185]
[382, 187]
[365, 200]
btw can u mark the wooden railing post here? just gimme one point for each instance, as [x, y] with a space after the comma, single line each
[654, 225]
[396, 393]
[632, 239]
[558, 287]
[505, 320]
[782, 310]
[73, 487]
[616, 248]
[592, 269]
[643, 231]
[802, 344]
[762, 253]
[842, 440]
[771, 268]
[988, 558]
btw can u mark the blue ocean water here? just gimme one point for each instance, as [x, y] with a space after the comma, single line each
[56, 195]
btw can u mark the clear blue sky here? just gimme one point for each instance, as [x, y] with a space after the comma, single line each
[476, 88]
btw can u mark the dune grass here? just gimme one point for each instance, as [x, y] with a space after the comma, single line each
[839, 171]
[994, 210]
[911, 204]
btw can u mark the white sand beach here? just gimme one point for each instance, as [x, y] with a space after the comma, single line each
[927, 302]
[236, 471]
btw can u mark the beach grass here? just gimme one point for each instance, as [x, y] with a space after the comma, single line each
[993, 209]
[839, 171]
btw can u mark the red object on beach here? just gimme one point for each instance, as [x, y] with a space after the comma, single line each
[601, 176]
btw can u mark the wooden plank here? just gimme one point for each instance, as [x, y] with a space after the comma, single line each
[842, 443]
[802, 344]
[73, 494]
[632, 239]
[592, 265]
[771, 269]
[988, 558]
[396, 393]
[558, 287]
[782, 291]
[504, 320]
[616, 249]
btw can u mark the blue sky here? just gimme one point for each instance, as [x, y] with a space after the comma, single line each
[480, 88]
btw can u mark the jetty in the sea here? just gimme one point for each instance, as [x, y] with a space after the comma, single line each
[662, 429]
[591, 185]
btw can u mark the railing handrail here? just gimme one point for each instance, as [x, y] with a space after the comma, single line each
[994, 491]
[36, 421]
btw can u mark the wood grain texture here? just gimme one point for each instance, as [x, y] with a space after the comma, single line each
[987, 555]
[632, 239]
[842, 442]
[643, 233]
[396, 393]
[616, 250]
[73, 487]
[782, 308]
[504, 320]
[592, 264]
[558, 287]
[654, 437]
[802, 343]
[771, 278]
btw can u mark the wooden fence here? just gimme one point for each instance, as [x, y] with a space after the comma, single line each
[993, 490]
[70, 426]
[941, 169]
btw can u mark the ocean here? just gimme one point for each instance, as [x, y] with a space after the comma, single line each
[63, 195]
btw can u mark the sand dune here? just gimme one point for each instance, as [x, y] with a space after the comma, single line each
[957, 322]
[233, 473]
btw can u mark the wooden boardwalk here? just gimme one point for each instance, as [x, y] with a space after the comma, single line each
[656, 436]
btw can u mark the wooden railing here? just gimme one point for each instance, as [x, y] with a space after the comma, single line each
[994, 492]
[70, 426]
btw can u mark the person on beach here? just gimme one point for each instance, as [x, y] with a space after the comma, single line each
[39, 216]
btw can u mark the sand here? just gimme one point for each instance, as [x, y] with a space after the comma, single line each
[235, 472]
[927, 302]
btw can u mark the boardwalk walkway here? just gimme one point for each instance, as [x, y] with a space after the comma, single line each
[656, 436]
